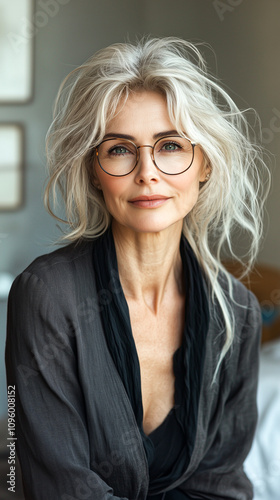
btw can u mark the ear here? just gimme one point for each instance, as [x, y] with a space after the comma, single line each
[205, 173]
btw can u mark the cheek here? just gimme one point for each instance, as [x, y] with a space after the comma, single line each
[189, 184]
[189, 192]
[112, 189]
[102, 180]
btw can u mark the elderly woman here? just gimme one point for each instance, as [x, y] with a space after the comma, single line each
[132, 351]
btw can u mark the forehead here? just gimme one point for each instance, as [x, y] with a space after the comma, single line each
[141, 111]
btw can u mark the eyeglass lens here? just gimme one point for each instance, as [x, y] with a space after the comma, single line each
[172, 155]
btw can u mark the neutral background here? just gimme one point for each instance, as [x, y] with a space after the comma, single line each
[243, 39]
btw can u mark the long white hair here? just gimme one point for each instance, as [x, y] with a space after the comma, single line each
[232, 199]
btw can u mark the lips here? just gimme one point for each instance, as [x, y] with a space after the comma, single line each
[149, 201]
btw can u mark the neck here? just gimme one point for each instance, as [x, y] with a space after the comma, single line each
[150, 265]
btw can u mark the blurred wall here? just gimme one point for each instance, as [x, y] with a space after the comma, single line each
[244, 35]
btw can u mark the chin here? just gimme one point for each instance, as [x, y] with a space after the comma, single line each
[152, 226]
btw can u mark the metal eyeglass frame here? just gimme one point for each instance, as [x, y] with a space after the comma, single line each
[193, 144]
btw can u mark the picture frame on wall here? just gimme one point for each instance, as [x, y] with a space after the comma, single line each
[11, 166]
[17, 33]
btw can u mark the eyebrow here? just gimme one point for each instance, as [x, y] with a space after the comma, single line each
[132, 138]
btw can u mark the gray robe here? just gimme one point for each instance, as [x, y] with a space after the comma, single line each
[77, 437]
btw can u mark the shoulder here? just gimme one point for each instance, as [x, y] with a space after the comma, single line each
[240, 299]
[68, 257]
[60, 273]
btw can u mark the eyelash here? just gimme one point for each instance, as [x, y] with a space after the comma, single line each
[171, 144]
[111, 150]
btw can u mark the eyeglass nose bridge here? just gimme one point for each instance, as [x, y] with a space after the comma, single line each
[152, 153]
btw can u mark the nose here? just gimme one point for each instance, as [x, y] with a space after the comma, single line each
[146, 170]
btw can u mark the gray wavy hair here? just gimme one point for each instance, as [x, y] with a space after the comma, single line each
[232, 198]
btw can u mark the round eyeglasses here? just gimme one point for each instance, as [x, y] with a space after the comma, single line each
[172, 155]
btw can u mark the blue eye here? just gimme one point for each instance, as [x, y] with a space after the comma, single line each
[170, 146]
[121, 150]
[118, 150]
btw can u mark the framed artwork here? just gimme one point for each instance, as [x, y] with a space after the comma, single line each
[11, 162]
[17, 33]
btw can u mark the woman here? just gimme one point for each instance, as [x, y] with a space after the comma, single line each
[134, 354]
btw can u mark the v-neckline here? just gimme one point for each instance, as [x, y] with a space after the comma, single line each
[121, 345]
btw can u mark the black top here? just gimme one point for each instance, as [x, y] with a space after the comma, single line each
[168, 448]
[168, 442]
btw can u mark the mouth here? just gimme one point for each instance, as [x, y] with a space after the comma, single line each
[152, 201]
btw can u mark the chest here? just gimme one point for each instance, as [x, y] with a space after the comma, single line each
[157, 337]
